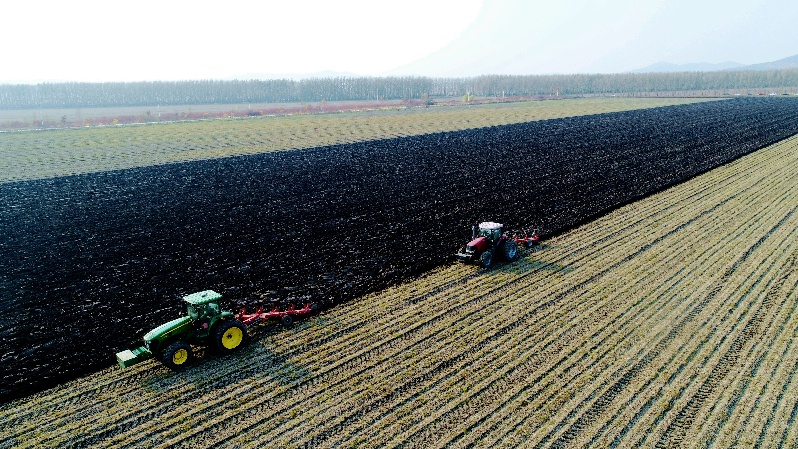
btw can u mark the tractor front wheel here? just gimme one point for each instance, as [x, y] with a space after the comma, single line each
[229, 336]
[510, 250]
[177, 356]
[485, 259]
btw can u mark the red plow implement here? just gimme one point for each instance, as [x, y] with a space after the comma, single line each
[285, 316]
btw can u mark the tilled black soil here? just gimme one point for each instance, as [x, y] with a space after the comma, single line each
[91, 262]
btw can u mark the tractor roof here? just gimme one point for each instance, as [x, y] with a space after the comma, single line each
[489, 225]
[204, 297]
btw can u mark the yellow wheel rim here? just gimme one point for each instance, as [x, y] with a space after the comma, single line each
[180, 356]
[232, 338]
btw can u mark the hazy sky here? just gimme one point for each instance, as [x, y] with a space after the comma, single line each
[578, 36]
[122, 41]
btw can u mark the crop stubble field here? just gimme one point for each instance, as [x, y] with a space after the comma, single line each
[668, 322]
[59, 152]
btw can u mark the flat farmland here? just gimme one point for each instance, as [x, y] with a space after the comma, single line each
[50, 153]
[669, 322]
[93, 261]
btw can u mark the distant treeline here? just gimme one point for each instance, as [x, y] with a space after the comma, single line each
[151, 93]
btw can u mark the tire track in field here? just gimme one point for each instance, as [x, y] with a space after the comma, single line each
[764, 311]
[425, 338]
[670, 379]
[626, 429]
[781, 337]
[674, 434]
[777, 402]
[650, 356]
[630, 423]
[633, 422]
[794, 411]
[20, 419]
[604, 400]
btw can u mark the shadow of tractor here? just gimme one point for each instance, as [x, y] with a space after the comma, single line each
[530, 260]
[255, 361]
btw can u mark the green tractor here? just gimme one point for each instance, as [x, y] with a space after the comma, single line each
[205, 325]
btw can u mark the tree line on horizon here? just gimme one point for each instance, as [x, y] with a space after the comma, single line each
[152, 93]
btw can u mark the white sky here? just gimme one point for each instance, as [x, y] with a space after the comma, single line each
[590, 36]
[112, 40]
[87, 40]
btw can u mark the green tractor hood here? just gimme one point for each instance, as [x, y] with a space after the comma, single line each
[166, 330]
[160, 334]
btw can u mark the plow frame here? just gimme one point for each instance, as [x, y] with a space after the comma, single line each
[249, 319]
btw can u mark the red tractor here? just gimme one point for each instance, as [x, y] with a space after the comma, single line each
[490, 241]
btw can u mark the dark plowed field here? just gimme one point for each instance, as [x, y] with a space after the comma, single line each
[91, 262]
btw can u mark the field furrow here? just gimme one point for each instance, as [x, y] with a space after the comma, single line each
[670, 322]
[643, 360]
[744, 409]
[697, 236]
[354, 344]
[324, 225]
[613, 391]
[732, 351]
[59, 152]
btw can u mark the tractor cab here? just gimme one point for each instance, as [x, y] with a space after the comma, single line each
[491, 230]
[202, 304]
[203, 307]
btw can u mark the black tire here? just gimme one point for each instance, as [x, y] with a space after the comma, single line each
[229, 336]
[510, 250]
[287, 320]
[177, 356]
[314, 306]
[486, 259]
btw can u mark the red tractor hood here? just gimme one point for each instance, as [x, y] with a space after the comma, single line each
[480, 243]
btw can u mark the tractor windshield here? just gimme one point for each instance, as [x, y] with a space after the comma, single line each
[212, 309]
[202, 311]
[492, 234]
[192, 312]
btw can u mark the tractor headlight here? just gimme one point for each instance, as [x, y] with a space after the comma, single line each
[470, 249]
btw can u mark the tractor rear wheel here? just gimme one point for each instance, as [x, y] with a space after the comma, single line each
[485, 259]
[510, 250]
[177, 355]
[229, 336]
